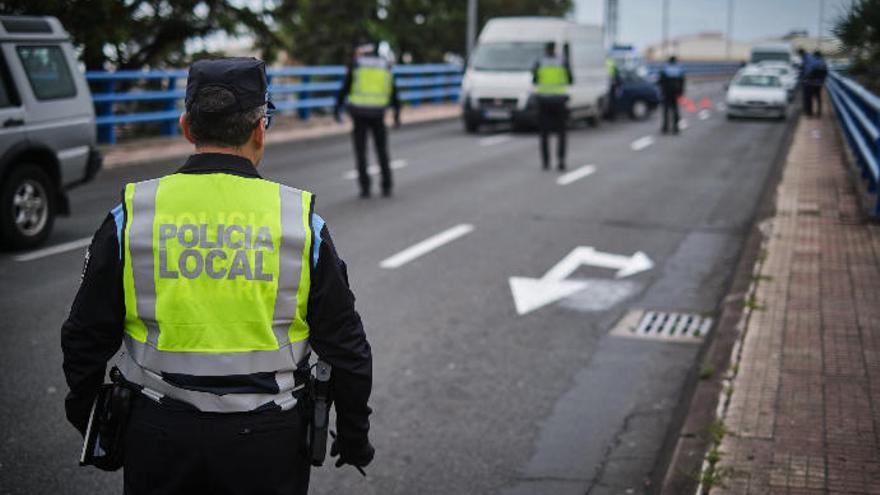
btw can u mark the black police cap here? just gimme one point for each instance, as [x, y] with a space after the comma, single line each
[244, 77]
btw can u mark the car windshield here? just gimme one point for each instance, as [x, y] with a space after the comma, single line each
[508, 56]
[773, 56]
[758, 80]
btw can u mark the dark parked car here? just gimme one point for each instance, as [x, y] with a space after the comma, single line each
[637, 96]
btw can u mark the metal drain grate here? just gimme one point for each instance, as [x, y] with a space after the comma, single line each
[661, 325]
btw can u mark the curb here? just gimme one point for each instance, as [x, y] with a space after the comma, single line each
[680, 467]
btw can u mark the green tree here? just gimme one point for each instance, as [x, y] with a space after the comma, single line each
[131, 34]
[428, 29]
[859, 31]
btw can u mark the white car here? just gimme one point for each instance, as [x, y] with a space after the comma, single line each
[755, 92]
[786, 72]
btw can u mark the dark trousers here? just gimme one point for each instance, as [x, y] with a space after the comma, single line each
[376, 125]
[172, 451]
[670, 114]
[813, 99]
[807, 93]
[552, 117]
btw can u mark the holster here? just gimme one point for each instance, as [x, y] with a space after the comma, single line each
[319, 425]
[104, 445]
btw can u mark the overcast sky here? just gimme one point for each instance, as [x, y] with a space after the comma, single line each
[640, 20]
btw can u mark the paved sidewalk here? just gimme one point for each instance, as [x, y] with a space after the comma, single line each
[285, 128]
[804, 414]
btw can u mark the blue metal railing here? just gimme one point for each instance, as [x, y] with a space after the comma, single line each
[299, 89]
[859, 113]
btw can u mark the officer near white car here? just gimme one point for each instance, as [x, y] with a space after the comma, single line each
[219, 284]
[552, 77]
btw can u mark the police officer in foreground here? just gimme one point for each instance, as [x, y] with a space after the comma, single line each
[368, 90]
[552, 77]
[219, 283]
[671, 83]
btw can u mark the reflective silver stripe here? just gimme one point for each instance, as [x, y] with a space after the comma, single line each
[293, 239]
[140, 246]
[217, 364]
[204, 401]
[372, 62]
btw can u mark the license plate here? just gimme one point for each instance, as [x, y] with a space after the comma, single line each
[496, 113]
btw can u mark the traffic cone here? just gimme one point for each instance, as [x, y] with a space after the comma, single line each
[688, 104]
[705, 103]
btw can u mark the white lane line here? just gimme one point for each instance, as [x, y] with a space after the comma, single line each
[374, 169]
[682, 124]
[704, 114]
[721, 106]
[426, 246]
[52, 250]
[493, 140]
[641, 143]
[576, 174]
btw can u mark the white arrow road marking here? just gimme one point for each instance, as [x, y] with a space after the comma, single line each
[374, 169]
[426, 246]
[49, 251]
[493, 140]
[577, 174]
[704, 114]
[641, 143]
[530, 294]
[682, 124]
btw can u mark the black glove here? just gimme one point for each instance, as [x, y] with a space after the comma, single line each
[357, 455]
[397, 121]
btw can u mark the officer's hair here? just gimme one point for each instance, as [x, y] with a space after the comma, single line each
[228, 130]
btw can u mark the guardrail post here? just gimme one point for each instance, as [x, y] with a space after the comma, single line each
[438, 98]
[107, 133]
[169, 127]
[304, 113]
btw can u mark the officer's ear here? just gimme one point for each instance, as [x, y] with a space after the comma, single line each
[258, 135]
[184, 127]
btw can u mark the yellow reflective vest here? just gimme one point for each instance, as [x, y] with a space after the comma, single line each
[372, 83]
[552, 78]
[216, 280]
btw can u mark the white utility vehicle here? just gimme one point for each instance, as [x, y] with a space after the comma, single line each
[497, 85]
[756, 92]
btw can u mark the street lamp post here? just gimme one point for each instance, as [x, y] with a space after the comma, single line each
[665, 28]
[471, 25]
[821, 22]
[728, 48]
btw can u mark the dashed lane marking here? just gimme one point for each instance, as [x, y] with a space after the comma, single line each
[493, 140]
[641, 143]
[721, 106]
[424, 247]
[575, 175]
[704, 114]
[683, 124]
[53, 250]
[374, 169]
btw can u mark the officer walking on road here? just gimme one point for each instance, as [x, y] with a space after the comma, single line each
[815, 73]
[672, 86]
[369, 89]
[219, 283]
[552, 76]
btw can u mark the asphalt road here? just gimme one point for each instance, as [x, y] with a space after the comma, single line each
[470, 396]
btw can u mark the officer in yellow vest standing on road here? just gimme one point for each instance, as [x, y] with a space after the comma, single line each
[368, 90]
[552, 76]
[219, 284]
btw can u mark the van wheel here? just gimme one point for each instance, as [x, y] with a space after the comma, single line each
[593, 121]
[471, 126]
[27, 207]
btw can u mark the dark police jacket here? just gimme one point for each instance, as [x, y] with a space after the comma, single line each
[671, 81]
[93, 332]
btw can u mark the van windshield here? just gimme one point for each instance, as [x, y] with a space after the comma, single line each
[507, 56]
[774, 56]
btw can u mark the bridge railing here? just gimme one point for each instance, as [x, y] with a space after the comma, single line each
[859, 113]
[119, 96]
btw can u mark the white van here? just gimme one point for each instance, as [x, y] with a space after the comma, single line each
[497, 84]
[772, 52]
